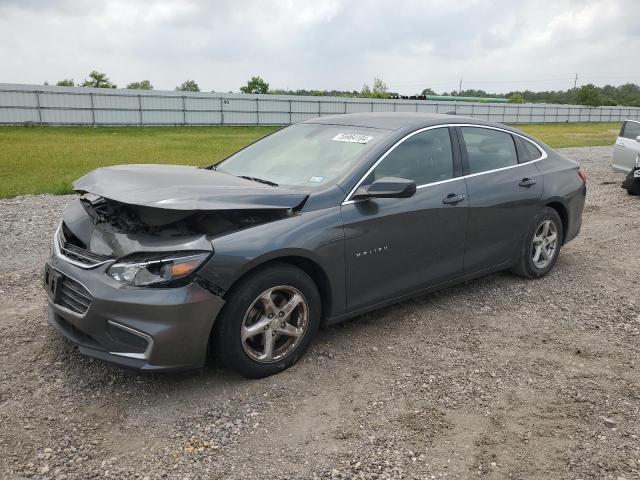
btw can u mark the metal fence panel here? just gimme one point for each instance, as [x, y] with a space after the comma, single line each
[241, 118]
[270, 105]
[305, 106]
[162, 103]
[274, 118]
[19, 115]
[241, 105]
[196, 117]
[18, 99]
[358, 107]
[66, 101]
[202, 103]
[405, 107]
[162, 117]
[332, 107]
[117, 117]
[21, 104]
[58, 116]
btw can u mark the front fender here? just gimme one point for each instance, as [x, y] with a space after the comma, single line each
[317, 236]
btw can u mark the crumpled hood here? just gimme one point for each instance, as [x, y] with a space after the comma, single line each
[184, 188]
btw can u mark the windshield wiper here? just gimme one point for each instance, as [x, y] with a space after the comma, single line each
[259, 180]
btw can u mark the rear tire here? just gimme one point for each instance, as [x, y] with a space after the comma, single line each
[268, 321]
[541, 245]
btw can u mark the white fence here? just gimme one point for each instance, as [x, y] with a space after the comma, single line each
[49, 105]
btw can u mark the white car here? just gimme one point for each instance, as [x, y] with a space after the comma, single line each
[627, 148]
[626, 155]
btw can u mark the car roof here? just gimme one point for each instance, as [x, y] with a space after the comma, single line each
[396, 120]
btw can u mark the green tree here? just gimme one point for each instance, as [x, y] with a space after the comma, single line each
[67, 82]
[98, 80]
[366, 91]
[515, 97]
[255, 85]
[589, 95]
[143, 85]
[379, 88]
[428, 91]
[188, 86]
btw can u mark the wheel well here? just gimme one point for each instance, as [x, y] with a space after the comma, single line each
[311, 268]
[564, 217]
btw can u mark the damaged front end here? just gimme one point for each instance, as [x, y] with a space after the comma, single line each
[123, 281]
[154, 208]
[141, 220]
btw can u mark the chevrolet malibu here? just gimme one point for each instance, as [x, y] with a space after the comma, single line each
[155, 266]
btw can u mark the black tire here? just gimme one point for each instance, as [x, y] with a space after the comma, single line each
[526, 266]
[228, 344]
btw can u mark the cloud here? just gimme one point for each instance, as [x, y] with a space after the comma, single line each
[494, 45]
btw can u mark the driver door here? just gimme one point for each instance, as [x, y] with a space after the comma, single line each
[395, 246]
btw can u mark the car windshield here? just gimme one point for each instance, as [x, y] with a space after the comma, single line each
[304, 155]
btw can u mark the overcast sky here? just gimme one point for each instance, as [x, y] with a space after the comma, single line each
[324, 44]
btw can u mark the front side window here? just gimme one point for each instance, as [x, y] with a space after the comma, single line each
[488, 149]
[425, 157]
[631, 130]
[305, 155]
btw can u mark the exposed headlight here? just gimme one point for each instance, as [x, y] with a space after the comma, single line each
[153, 269]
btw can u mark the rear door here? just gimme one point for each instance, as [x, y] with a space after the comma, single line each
[399, 245]
[627, 147]
[504, 194]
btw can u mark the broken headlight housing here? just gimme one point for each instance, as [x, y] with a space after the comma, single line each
[156, 269]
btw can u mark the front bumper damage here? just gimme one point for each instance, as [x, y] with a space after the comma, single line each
[153, 329]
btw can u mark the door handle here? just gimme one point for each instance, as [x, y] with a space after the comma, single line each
[621, 145]
[453, 198]
[527, 182]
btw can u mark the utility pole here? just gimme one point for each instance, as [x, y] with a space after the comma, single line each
[460, 88]
[575, 83]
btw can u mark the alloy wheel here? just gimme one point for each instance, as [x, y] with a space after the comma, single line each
[545, 244]
[274, 324]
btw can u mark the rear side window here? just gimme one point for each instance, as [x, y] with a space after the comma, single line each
[631, 130]
[488, 149]
[425, 157]
[529, 151]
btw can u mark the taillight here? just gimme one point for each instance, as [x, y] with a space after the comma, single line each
[582, 175]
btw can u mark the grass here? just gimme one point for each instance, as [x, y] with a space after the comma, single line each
[47, 159]
[560, 135]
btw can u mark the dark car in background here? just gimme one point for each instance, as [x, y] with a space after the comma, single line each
[156, 265]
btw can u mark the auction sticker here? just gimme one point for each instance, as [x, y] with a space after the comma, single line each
[351, 137]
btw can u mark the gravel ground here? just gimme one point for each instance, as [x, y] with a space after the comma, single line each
[497, 378]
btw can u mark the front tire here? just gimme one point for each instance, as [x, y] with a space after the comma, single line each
[541, 245]
[268, 321]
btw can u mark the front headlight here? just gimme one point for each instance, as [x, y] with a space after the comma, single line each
[156, 268]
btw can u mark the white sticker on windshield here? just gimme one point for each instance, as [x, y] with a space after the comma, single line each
[316, 179]
[351, 137]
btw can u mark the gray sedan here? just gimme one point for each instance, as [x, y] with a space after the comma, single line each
[154, 266]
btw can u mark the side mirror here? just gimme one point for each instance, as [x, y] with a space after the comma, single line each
[387, 187]
[638, 138]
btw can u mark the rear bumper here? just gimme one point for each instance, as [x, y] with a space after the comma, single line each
[575, 208]
[153, 329]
